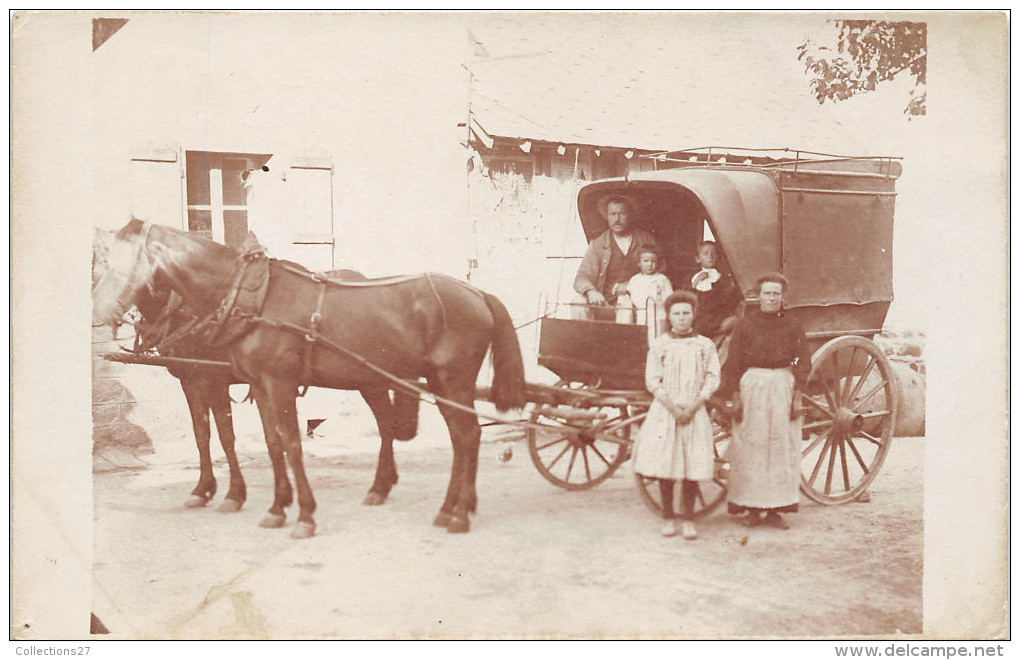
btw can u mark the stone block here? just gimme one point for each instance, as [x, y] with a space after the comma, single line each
[122, 435]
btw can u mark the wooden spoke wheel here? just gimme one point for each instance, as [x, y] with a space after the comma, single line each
[850, 407]
[711, 493]
[585, 454]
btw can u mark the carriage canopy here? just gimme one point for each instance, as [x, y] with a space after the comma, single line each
[826, 224]
[741, 209]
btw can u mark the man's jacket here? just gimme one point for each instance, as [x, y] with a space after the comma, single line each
[592, 272]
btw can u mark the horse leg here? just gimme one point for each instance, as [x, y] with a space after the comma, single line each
[282, 494]
[465, 434]
[283, 398]
[378, 399]
[198, 405]
[446, 512]
[219, 399]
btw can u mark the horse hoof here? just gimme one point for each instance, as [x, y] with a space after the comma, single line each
[196, 502]
[373, 499]
[273, 521]
[229, 506]
[303, 530]
[442, 519]
[459, 525]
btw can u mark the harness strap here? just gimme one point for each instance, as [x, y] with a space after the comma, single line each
[217, 318]
[373, 283]
[144, 240]
[439, 300]
[311, 338]
[299, 270]
[227, 305]
[158, 331]
[424, 394]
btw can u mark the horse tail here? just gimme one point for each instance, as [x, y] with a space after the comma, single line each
[507, 364]
[405, 415]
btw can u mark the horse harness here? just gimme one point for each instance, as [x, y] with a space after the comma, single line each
[240, 312]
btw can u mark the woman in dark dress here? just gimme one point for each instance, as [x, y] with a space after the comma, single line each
[768, 363]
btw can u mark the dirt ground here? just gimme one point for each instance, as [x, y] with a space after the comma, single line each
[539, 562]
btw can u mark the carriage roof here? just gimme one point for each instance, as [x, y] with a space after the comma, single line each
[824, 221]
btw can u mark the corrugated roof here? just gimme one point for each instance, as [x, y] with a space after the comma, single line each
[739, 84]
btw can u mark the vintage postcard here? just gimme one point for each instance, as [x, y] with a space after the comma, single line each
[681, 326]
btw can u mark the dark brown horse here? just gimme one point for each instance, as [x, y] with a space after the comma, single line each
[428, 326]
[204, 389]
[207, 390]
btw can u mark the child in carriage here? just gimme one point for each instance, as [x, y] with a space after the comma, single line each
[718, 295]
[648, 284]
[675, 441]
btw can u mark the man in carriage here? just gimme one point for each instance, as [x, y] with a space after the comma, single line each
[613, 257]
[610, 260]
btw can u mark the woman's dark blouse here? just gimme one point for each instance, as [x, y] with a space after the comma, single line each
[769, 341]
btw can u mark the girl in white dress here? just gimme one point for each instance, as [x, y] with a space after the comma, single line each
[649, 284]
[675, 441]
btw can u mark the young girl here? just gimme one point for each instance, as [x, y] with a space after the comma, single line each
[675, 442]
[649, 284]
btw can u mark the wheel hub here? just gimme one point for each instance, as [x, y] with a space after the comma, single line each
[847, 422]
[582, 440]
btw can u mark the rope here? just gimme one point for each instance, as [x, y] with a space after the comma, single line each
[527, 323]
[408, 386]
[193, 327]
[197, 325]
[315, 337]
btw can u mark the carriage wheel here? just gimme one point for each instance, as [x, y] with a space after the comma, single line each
[710, 493]
[850, 407]
[578, 460]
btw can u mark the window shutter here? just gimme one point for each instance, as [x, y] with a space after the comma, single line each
[156, 187]
[310, 207]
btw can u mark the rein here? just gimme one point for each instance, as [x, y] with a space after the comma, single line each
[159, 328]
[409, 386]
[312, 336]
[196, 326]
[225, 312]
[371, 284]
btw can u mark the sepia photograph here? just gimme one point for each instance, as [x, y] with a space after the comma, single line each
[509, 326]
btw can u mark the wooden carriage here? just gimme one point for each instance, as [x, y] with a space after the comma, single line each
[826, 223]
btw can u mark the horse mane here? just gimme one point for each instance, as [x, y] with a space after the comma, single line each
[192, 247]
[136, 226]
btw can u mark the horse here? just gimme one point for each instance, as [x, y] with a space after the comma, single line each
[383, 332]
[208, 390]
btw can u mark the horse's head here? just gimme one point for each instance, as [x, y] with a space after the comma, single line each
[126, 269]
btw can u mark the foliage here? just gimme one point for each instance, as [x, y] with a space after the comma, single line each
[867, 54]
